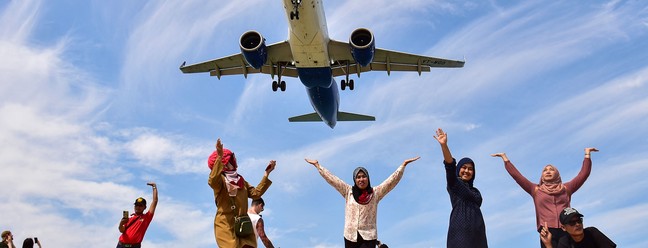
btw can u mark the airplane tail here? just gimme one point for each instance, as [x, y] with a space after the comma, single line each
[341, 116]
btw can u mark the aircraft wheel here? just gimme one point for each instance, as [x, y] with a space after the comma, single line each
[275, 85]
[297, 15]
[343, 84]
[282, 85]
[292, 15]
[351, 84]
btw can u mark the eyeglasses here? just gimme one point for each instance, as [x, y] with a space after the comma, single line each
[573, 222]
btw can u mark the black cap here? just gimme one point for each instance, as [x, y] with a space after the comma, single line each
[567, 214]
[140, 201]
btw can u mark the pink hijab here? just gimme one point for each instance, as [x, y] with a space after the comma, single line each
[551, 187]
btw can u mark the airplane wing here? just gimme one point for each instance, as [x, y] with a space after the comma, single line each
[384, 60]
[278, 53]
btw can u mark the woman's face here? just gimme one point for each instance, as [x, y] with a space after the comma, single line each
[361, 180]
[466, 172]
[549, 173]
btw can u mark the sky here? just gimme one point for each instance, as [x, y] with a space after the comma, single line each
[93, 106]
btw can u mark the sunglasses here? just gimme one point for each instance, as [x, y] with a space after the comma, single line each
[573, 222]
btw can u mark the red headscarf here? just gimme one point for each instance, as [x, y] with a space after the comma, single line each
[231, 176]
[228, 156]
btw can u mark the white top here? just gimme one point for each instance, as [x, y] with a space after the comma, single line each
[254, 218]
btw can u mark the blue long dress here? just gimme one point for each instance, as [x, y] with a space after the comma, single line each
[467, 228]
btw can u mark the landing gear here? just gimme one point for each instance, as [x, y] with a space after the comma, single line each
[344, 84]
[279, 84]
[295, 13]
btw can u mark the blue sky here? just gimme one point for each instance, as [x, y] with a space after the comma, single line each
[93, 106]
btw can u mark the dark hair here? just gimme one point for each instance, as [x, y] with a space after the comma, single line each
[258, 202]
[28, 243]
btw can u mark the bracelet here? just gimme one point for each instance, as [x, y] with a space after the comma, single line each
[586, 154]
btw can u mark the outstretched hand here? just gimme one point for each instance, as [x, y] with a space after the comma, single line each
[219, 148]
[441, 137]
[501, 155]
[271, 166]
[313, 162]
[590, 149]
[407, 161]
[152, 184]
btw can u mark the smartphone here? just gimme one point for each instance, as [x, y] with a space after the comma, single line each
[126, 214]
[36, 240]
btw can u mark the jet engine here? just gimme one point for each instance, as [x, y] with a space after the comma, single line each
[363, 46]
[253, 48]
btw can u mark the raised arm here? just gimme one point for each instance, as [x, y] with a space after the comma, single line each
[215, 179]
[260, 189]
[391, 182]
[331, 179]
[442, 138]
[262, 235]
[584, 173]
[155, 197]
[526, 185]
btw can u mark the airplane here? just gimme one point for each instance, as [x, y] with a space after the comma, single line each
[310, 55]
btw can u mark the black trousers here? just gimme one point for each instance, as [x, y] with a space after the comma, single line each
[361, 243]
[122, 245]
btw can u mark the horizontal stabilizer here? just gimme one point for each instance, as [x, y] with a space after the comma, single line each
[306, 117]
[344, 116]
[341, 116]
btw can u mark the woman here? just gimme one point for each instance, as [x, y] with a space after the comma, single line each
[231, 193]
[466, 228]
[361, 206]
[550, 196]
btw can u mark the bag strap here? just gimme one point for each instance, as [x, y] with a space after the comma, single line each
[130, 223]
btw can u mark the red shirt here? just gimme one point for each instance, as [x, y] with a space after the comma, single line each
[136, 228]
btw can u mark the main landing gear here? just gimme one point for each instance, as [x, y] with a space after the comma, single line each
[346, 82]
[279, 84]
[295, 13]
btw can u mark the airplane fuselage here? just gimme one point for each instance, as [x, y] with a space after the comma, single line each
[308, 39]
